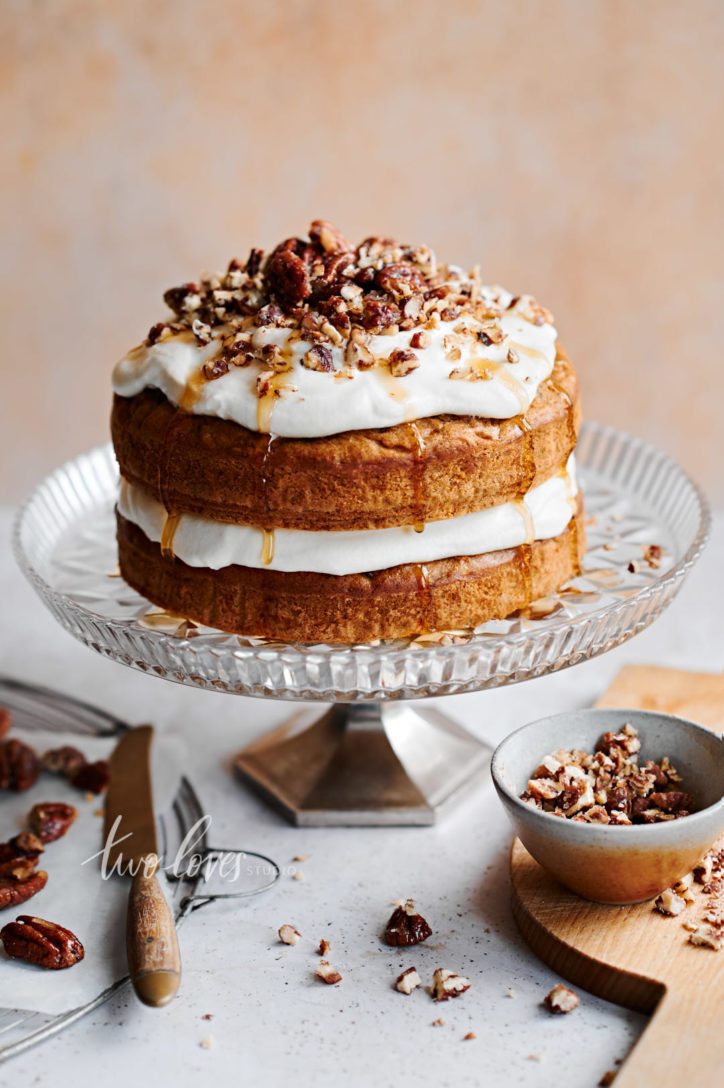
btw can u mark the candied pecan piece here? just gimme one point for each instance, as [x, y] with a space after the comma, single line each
[323, 234]
[660, 779]
[45, 944]
[92, 777]
[379, 314]
[184, 299]
[50, 820]
[319, 358]
[21, 848]
[63, 760]
[19, 766]
[673, 801]
[331, 278]
[14, 891]
[400, 280]
[619, 800]
[402, 362]
[271, 314]
[5, 721]
[253, 263]
[20, 868]
[287, 273]
[406, 926]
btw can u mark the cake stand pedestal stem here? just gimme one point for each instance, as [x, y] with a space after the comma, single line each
[374, 764]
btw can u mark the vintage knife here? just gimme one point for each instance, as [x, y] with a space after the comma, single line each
[154, 961]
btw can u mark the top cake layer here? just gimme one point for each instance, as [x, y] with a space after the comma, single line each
[322, 338]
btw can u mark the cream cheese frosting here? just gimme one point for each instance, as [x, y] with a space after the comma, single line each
[307, 403]
[200, 542]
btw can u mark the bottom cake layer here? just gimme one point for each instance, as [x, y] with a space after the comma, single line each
[394, 603]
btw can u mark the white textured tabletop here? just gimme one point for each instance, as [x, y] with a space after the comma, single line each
[272, 1021]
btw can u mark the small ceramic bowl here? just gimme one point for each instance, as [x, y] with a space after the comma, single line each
[619, 864]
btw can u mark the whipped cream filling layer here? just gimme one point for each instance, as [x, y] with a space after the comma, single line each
[307, 403]
[201, 542]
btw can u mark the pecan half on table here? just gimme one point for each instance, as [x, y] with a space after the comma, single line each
[19, 766]
[15, 890]
[406, 926]
[51, 819]
[44, 943]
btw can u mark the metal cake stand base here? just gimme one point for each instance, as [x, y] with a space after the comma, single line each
[372, 764]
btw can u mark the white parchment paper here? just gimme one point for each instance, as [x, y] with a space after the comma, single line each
[75, 896]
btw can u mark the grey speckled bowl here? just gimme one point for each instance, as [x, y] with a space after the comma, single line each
[615, 864]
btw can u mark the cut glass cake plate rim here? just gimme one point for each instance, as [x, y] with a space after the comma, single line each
[635, 496]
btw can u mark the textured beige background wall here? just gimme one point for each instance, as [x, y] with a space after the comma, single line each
[572, 147]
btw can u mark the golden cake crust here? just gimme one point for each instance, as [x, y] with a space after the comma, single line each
[429, 470]
[394, 603]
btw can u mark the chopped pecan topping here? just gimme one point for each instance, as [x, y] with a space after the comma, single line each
[43, 943]
[319, 358]
[405, 926]
[50, 820]
[19, 766]
[402, 362]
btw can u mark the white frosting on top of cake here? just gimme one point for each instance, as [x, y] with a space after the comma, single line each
[201, 542]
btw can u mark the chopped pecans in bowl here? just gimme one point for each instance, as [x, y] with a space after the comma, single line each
[608, 786]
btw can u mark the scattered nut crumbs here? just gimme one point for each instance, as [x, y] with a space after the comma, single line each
[324, 947]
[299, 875]
[328, 974]
[408, 981]
[439, 1023]
[670, 903]
[470, 1035]
[208, 1016]
[289, 935]
[405, 926]
[446, 984]
[608, 1078]
[302, 857]
[207, 1042]
[561, 999]
[608, 786]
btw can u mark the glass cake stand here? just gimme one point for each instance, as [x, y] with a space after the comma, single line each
[371, 757]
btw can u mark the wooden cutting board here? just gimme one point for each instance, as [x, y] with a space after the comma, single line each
[634, 955]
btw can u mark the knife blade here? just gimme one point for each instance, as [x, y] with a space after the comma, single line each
[154, 961]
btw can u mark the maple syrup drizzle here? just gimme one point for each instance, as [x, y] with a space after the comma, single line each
[527, 454]
[527, 519]
[193, 390]
[168, 532]
[488, 368]
[265, 403]
[392, 385]
[267, 546]
[418, 478]
[424, 595]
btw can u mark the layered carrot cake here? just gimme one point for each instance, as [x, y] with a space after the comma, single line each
[336, 443]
